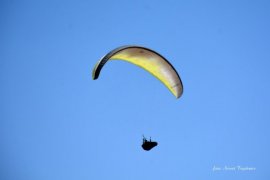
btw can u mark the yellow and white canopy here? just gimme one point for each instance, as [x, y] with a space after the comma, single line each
[147, 59]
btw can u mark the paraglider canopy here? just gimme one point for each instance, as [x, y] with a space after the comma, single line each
[148, 145]
[147, 59]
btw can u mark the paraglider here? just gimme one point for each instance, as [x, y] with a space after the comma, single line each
[147, 59]
[148, 145]
[152, 62]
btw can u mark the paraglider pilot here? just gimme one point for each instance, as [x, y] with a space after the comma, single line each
[148, 145]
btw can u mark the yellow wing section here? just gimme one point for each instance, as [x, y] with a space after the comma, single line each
[152, 62]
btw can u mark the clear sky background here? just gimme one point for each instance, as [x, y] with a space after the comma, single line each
[57, 123]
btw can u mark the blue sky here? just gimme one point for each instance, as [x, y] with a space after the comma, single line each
[57, 123]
